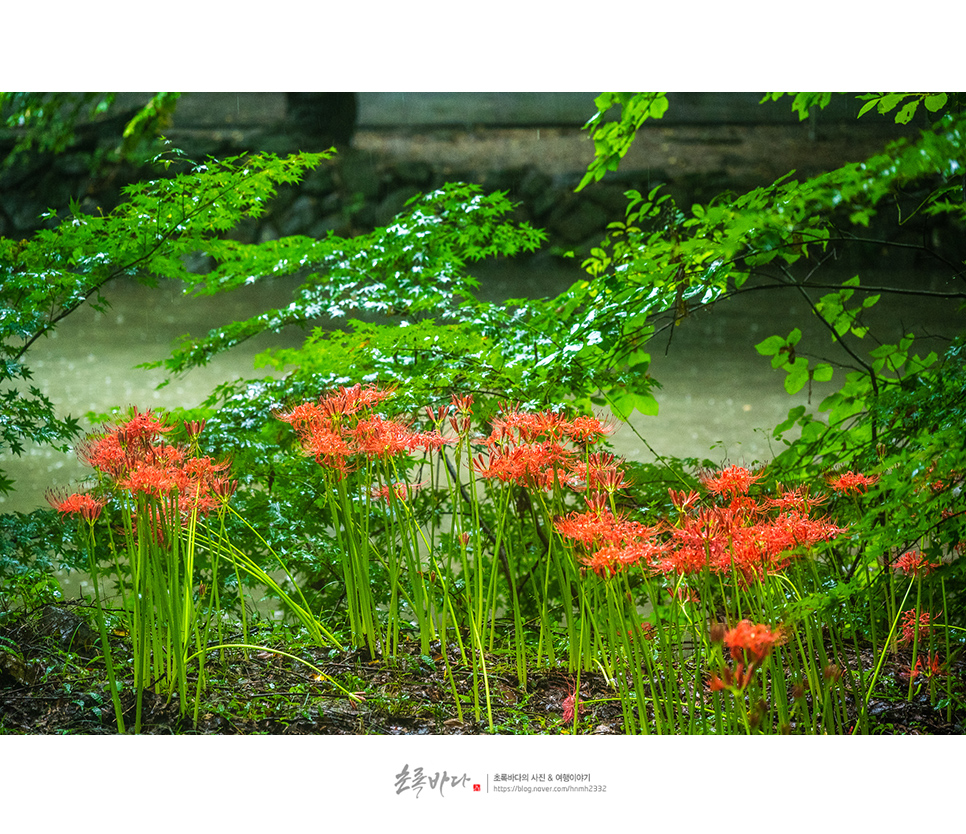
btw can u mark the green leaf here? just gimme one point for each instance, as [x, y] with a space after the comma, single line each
[647, 404]
[822, 372]
[770, 346]
[625, 403]
[867, 107]
[794, 415]
[797, 375]
[613, 139]
[904, 116]
[889, 102]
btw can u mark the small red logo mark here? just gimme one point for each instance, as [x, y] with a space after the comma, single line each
[476, 787]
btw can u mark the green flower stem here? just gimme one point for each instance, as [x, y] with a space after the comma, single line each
[878, 668]
[915, 637]
[102, 629]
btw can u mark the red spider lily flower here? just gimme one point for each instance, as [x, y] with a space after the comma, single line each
[741, 537]
[735, 480]
[779, 538]
[911, 624]
[346, 401]
[544, 425]
[437, 416]
[103, 453]
[301, 415]
[497, 466]
[928, 667]
[203, 469]
[194, 427]
[572, 707]
[610, 543]
[206, 488]
[141, 427]
[913, 564]
[648, 631]
[611, 480]
[683, 594]
[381, 438]
[326, 445]
[599, 526]
[601, 472]
[224, 488]
[750, 644]
[608, 560]
[80, 504]
[739, 679]
[132, 457]
[585, 429]
[933, 666]
[750, 641]
[431, 441]
[852, 482]
[461, 424]
[463, 406]
[682, 500]
[541, 465]
[400, 490]
[154, 480]
[124, 447]
[681, 560]
[516, 426]
[797, 499]
[158, 470]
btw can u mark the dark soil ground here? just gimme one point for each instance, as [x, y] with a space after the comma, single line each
[48, 688]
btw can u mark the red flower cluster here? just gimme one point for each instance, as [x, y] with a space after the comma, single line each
[750, 644]
[852, 482]
[543, 450]
[750, 536]
[79, 504]
[913, 564]
[572, 707]
[341, 426]
[930, 667]
[734, 480]
[133, 456]
[515, 427]
[600, 474]
[608, 543]
[911, 623]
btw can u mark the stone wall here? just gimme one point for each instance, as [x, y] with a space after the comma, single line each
[406, 110]
[374, 175]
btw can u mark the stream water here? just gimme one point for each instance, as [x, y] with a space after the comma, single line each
[718, 399]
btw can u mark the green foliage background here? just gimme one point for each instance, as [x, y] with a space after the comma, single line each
[400, 305]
